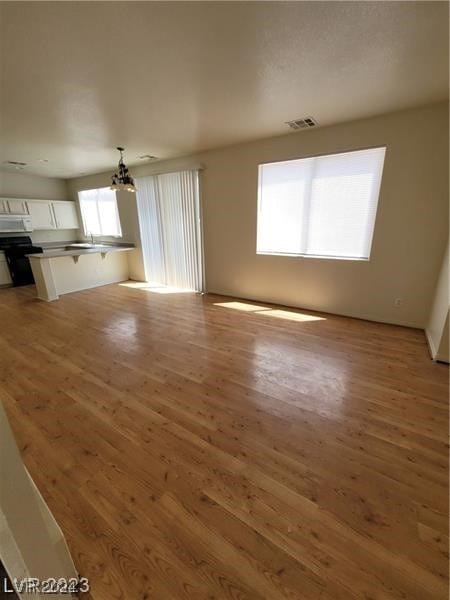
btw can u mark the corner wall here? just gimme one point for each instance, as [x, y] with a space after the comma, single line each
[437, 328]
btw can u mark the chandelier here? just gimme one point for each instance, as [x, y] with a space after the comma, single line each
[122, 180]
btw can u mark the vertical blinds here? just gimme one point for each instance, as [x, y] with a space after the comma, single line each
[99, 212]
[169, 220]
[320, 206]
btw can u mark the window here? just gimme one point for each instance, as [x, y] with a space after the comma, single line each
[99, 212]
[323, 206]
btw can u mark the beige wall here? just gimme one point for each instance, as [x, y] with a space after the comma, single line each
[437, 327]
[16, 184]
[410, 232]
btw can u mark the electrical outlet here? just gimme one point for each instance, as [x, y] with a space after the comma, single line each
[398, 302]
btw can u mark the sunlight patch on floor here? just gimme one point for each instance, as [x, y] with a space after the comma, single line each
[242, 306]
[155, 288]
[290, 315]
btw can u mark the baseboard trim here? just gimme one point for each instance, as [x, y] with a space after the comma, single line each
[433, 352]
[361, 316]
[430, 344]
[442, 359]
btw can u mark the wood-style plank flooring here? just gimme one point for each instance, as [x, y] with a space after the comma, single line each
[204, 448]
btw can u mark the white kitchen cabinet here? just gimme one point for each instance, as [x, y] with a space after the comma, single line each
[44, 214]
[16, 207]
[66, 216]
[41, 213]
[5, 277]
[13, 206]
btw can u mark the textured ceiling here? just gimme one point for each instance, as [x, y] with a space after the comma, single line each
[170, 78]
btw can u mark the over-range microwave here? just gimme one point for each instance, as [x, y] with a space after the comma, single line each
[14, 223]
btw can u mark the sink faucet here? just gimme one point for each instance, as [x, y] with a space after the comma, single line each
[92, 238]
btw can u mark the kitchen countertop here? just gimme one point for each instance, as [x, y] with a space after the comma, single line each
[54, 245]
[96, 249]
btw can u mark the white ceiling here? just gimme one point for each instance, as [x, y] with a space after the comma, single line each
[171, 78]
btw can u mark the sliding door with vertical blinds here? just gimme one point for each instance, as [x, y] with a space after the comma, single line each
[322, 206]
[169, 220]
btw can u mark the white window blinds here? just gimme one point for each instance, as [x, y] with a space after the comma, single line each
[322, 206]
[171, 235]
[99, 212]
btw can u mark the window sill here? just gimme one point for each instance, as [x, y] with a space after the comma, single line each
[314, 256]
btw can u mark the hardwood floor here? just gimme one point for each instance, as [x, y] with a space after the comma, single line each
[200, 447]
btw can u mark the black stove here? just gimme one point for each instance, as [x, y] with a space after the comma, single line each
[16, 248]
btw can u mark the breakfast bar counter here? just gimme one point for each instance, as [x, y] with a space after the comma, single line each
[78, 267]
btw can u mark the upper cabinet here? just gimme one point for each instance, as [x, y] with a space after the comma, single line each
[66, 216]
[13, 206]
[17, 207]
[41, 213]
[44, 214]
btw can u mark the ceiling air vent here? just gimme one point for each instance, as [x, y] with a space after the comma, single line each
[14, 163]
[302, 123]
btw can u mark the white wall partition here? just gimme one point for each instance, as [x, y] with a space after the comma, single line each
[31, 543]
[170, 226]
[437, 327]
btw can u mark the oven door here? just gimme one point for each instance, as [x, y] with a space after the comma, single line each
[20, 268]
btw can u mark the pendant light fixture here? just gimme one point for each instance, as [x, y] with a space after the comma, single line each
[122, 181]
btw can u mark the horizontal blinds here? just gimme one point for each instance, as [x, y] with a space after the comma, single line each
[321, 206]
